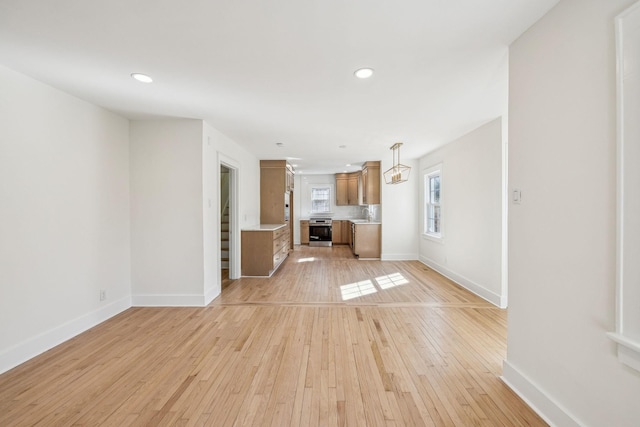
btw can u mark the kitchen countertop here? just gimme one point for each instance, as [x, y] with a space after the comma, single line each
[354, 220]
[337, 218]
[264, 227]
[364, 221]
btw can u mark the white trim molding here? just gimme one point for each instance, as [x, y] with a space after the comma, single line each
[627, 333]
[169, 300]
[538, 399]
[466, 283]
[234, 207]
[504, 268]
[399, 257]
[210, 295]
[31, 348]
[628, 350]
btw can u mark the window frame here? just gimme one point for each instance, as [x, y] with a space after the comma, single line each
[329, 202]
[428, 175]
[627, 331]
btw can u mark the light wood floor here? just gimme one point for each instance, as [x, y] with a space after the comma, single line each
[224, 278]
[328, 340]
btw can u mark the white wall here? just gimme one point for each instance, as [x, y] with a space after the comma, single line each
[64, 217]
[470, 251]
[68, 219]
[166, 212]
[562, 144]
[399, 212]
[218, 148]
[175, 216]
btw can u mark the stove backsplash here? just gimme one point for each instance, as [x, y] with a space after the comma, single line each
[349, 212]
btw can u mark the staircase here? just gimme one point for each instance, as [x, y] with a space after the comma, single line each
[224, 239]
[224, 219]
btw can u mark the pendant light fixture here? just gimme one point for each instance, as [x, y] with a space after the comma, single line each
[398, 172]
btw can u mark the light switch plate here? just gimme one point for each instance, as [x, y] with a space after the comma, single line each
[517, 196]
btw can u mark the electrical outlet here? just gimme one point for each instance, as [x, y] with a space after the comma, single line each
[103, 295]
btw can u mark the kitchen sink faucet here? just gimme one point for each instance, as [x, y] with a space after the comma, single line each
[368, 213]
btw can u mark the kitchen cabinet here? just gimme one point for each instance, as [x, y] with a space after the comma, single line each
[276, 180]
[353, 189]
[366, 240]
[371, 183]
[346, 232]
[342, 189]
[264, 248]
[348, 189]
[289, 175]
[342, 195]
[341, 232]
[336, 232]
[304, 232]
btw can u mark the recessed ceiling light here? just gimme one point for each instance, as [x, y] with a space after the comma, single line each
[344, 171]
[348, 164]
[364, 73]
[142, 77]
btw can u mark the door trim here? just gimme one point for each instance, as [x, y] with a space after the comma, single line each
[234, 223]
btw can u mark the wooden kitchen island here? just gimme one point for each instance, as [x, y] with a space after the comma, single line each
[264, 248]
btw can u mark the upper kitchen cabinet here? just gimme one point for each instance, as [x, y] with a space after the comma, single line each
[353, 188]
[342, 183]
[289, 179]
[276, 181]
[348, 189]
[371, 183]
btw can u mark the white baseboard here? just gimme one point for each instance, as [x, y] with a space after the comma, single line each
[32, 347]
[539, 400]
[482, 292]
[169, 300]
[210, 295]
[399, 257]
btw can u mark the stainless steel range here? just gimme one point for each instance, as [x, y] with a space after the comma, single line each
[319, 231]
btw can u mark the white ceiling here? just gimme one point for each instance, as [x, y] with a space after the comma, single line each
[281, 71]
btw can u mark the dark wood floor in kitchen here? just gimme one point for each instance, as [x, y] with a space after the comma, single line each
[328, 340]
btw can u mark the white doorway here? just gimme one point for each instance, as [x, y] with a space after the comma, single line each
[229, 258]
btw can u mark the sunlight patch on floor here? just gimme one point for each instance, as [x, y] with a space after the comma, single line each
[310, 259]
[358, 289]
[391, 281]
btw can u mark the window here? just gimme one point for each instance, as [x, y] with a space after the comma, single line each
[433, 207]
[320, 199]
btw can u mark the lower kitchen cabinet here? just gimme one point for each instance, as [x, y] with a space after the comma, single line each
[304, 232]
[346, 232]
[366, 240]
[340, 232]
[336, 232]
[264, 248]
